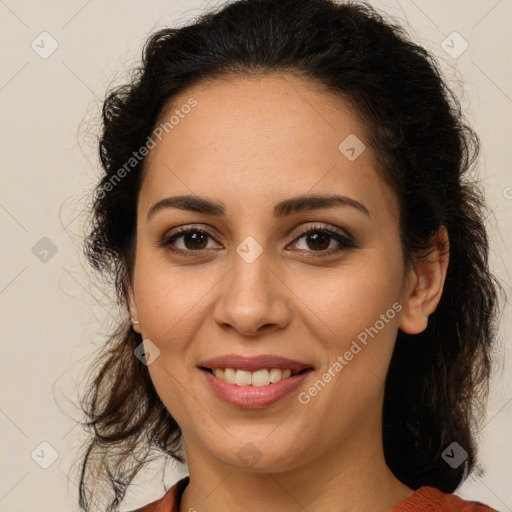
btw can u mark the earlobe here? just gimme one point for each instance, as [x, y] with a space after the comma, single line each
[132, 308]
[426, 281]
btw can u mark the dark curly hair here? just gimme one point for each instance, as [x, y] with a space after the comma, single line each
[437, 382]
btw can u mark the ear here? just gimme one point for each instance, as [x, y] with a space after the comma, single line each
[424, 287]
[132, 307]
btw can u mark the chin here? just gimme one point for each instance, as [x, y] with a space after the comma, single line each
[259, 455]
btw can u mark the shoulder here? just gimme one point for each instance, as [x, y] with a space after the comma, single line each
[430, 499]
[170, 501]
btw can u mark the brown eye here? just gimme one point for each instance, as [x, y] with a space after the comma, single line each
[189, 240]
[319, 239]
[192, 240]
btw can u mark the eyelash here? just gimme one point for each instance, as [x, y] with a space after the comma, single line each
[339, 236]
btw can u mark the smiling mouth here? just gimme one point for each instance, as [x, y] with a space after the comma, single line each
[261, 377]
[293, 372]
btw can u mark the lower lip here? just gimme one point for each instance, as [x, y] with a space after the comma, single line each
[254, 397]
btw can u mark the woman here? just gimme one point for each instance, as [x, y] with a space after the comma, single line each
[286, 214]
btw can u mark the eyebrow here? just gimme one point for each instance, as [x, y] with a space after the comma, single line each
[281, 209]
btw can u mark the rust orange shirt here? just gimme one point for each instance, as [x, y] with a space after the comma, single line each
[424, 499]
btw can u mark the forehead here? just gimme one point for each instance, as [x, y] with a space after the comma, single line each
[270, 114]
[256, 137]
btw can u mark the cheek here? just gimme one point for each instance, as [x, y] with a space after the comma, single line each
[354, 316]
[345, 302]
[170, 298]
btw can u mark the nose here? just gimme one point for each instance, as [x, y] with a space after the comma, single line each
[253, 298]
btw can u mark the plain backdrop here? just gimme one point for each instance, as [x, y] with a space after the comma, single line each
[58, 59]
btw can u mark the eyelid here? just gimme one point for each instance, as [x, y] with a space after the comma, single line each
[347, 239]
[192, 227]
[327, 228]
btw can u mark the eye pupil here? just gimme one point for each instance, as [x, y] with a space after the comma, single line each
[194, 237]
[321, 238]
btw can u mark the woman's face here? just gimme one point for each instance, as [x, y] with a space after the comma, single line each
[248, 282]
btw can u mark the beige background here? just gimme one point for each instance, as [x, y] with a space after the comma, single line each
[53, 314]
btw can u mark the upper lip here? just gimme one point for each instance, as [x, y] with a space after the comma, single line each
[253, 363]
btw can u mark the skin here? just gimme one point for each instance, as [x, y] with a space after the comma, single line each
[249, 143]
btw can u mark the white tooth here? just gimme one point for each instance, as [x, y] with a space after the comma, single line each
[260, 378]
[243, 378]
[229, 375]
[275, 374]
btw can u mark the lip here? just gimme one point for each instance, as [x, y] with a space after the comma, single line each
[254, 363]
[253, 397]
